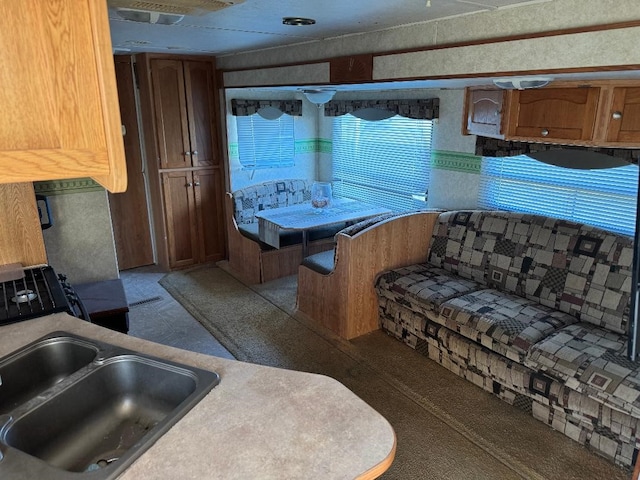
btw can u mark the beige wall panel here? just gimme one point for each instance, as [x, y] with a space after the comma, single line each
[537, 17]
[314, 73]
[592, 49]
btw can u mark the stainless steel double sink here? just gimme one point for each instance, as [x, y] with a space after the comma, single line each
[72, 407]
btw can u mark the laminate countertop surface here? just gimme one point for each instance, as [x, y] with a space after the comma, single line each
[259, 422]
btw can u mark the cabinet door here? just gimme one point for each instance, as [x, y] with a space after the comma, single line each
[171, 115]
[209, 185]
[202, 135]
[180, 216]
[554, 114]
[484, 113]
[59, 102]
[624, 117]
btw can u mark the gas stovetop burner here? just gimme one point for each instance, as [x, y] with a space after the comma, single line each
[24, 296]
[40, 292]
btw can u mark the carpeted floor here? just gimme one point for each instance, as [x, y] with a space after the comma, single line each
[446, 427]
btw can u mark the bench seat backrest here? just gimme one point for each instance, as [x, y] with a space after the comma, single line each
[578, 269]
[274, 194]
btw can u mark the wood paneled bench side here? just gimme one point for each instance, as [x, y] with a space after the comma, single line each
[344, 300]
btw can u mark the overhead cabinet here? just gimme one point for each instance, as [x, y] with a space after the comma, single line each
[182, 94]
[568, 113]
[184, 158]
[553, 114]
[59, 99]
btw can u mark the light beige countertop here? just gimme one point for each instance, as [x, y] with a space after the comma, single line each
[259, 422]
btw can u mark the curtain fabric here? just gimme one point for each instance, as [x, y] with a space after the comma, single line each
[427, 109]
[245, 108]
[492, 147]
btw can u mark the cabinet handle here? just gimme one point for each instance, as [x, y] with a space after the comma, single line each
[188, 184]
[616, 115]
[544, 132]
[187, 153]
[195, 152]
[197, 184]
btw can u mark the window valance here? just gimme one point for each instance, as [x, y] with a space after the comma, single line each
[491, 147]
[427, 109]
[245, 108]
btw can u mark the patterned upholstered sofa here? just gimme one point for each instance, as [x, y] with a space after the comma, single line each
[532, 309]
[253, 260]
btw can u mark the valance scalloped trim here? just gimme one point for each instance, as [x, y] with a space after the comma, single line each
[492, 147]
[426, 109]
[245, 108]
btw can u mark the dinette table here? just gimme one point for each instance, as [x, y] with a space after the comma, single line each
[303, 217]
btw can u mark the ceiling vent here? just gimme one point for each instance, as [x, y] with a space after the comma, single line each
[144, 16]
[173, 7]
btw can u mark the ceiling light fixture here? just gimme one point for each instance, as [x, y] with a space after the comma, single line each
[298, 21]
[522, 83]
[319, 96]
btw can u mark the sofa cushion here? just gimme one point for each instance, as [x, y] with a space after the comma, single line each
[322, 262]
[572, 267]
[505, 323]
[422, 287]
[593, 361]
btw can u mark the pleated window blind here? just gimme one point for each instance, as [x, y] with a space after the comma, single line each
[605, 198]
[266, 143]
[384, 162]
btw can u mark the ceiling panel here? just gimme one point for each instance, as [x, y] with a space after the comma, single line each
[257, 24]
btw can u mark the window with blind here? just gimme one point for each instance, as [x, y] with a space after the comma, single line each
[266, 143]
[604, 198]
[384, 162]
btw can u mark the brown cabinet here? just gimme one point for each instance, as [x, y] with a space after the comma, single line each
[553, 114]
[179, 114]
[59, 94]
[182, 94]
[623, 117]
[604, 113]
[193, 216]
[483, 113]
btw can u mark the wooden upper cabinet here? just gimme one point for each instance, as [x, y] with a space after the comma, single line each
[183, 100]
[169, 100]
[623, 117]
[483, 113]
[199, 91]
[553, 114]
[59, 115]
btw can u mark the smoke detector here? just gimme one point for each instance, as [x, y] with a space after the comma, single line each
[173, 7]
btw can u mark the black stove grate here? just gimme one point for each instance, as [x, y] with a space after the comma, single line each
[38, 293]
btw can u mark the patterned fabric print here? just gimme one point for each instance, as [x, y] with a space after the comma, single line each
[593, 361]
[608, 432]
[574, 268]
[422, 287]
[364, 224]
[507, 324]
[275, 194]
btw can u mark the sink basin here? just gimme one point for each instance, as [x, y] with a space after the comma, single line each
[39, 367]
[94, 417]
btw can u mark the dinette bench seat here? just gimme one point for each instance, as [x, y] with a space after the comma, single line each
[253, 260]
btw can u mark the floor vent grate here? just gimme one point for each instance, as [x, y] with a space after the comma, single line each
[145, 301]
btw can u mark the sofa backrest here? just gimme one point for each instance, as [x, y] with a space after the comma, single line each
[274, 194]
[578, 269]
